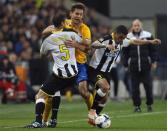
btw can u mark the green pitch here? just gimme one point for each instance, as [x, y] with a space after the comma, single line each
[73, 117]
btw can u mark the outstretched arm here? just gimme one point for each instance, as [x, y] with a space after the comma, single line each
[143, 42]
[97, 45]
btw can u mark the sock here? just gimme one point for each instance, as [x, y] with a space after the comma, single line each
[48, 107]
[68, 95]
[90, 101]
[55, 106]
[99, 108]
[39, 108]
[99, 96]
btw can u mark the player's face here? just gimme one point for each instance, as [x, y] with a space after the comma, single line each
[77, 16]
[136, 27]
[119, 38]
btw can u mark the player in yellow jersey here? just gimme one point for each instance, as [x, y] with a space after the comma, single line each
[76, 23]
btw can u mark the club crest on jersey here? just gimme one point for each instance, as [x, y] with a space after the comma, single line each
[111, 54]
[108, 54]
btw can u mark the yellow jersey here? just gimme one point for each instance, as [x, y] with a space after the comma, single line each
[84, 31]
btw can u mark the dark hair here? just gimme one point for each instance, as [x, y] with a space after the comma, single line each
[121, 29]
[78, 6]
[58, 19]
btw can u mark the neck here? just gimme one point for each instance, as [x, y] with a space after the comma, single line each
[75, 25]
[113, 36]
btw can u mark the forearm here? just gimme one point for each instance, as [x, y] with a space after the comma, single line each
[98, 45]
[82, 47]
[139, 42]
[48, 30]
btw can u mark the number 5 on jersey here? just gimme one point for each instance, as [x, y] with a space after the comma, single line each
[63, 49]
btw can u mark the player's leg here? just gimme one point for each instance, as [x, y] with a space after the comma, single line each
[39, 109]
[101, 104]
[55, 108]
[48, 107]
[101, 92]
[48, 89]
[82, 78]
[83, 90]
[63, 83]
[101, 95]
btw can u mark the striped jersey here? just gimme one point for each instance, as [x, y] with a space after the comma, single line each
[64, 58]
[103, 59]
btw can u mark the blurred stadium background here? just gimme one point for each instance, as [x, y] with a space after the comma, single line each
[22, 21]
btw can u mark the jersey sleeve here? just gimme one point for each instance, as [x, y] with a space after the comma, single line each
[105, 38]
[127, 41]
[47, 46]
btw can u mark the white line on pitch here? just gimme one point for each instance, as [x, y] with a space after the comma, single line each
[119, 116]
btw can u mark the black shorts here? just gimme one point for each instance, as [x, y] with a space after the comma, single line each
[55, 83]
[95, 75]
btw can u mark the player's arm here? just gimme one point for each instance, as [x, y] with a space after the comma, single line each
[143, 42]
[97, 45]
[48, 30]
[77, 45]
[47, 49]
[86, 36]
[45, 54]
[103, 43]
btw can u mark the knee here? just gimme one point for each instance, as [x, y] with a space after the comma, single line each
[41, 95]
[105, 88]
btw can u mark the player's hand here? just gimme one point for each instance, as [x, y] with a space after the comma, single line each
[48, 30]
[70, 43]
[110, 47]
[155, 41]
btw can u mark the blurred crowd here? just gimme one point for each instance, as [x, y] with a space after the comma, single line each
[21, 24]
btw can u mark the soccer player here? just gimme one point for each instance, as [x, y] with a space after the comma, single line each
[107, 50]
[76, 23]
[64, 69]
[77, 15]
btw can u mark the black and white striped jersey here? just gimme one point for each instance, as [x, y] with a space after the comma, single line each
[64, 58]
[103, 58]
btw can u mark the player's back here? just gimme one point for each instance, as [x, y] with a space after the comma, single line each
[64, 58]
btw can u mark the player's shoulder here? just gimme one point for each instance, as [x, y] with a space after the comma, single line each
[105, 38]
[85, 26]
[130, 35]
[146, 33]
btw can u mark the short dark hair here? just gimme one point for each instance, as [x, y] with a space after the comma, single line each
[121, 29]
[78, 6]
[58, 19]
